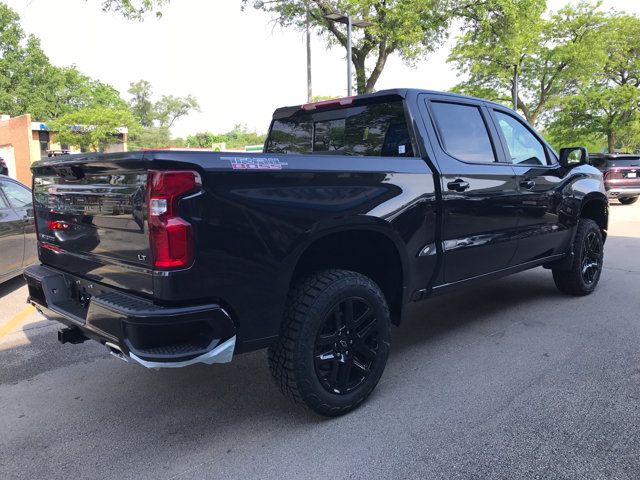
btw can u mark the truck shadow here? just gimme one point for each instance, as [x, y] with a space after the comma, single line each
[11, 286]
[244, 387]
[225, 407]
[441, 315]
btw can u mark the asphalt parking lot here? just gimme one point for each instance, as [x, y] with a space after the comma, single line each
[507, 380]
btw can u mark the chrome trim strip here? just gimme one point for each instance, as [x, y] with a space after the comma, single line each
[223, 353]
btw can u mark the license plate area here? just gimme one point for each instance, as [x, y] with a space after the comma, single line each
[632, 174]
[77, 297]
[80, 295]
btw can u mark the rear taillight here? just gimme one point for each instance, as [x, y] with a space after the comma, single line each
[170, 237]
[57, 225]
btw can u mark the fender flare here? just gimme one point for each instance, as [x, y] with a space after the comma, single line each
[358, 223]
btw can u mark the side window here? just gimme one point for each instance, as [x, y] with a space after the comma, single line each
[463, 132]
[523, 147]
[18, 196]
[3, 204]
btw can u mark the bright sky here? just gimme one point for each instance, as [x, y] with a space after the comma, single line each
[237, 64]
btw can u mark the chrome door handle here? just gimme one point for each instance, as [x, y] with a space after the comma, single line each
[528, 184]
[458, 185]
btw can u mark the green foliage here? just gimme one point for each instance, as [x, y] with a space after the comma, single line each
[134, 9]
[595, 143]
[150, 137]
[550, 56]
[24, 68]
[411, 28]
[29, 83]
[609, 113]
[169, 108]
[622, 40]
[92, 128]
[164, 112]
[141, 104]
[321, 98]
[238, 137]
[156, 118]
[607, 107]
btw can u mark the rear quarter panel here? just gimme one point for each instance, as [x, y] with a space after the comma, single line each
[254, 224]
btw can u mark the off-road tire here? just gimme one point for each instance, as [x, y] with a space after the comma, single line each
[292, 360]
[570, 277]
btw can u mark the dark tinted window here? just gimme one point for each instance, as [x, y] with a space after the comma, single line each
[522, 145]
[615, 162]
[463, 132]
[371, 130]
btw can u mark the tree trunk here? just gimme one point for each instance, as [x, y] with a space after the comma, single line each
[611, 141]
[361, 75]
[383, 54]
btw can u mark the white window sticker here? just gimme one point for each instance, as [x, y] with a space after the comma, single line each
[401, 149]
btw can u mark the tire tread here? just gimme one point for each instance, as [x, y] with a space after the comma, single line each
[281, 355]
[568, 279]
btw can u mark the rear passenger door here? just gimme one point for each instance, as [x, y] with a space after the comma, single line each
[539, 178]
[478, 188]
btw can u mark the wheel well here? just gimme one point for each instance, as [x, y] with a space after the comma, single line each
[596, 210]
[367, 252]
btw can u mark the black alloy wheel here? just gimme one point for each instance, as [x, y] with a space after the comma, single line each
[591, 257]
[334, 341]
[346, 346]
[580, 272]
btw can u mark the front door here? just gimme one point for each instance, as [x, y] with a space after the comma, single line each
[478, 189]
[540, 230]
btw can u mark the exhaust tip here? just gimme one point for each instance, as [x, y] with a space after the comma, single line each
[116, 351]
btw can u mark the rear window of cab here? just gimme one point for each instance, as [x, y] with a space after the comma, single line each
[376, 130]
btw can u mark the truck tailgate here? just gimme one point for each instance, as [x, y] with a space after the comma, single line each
[91, 219]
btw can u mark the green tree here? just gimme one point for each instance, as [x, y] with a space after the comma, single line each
[203, 140]
[169, 108]
[598, 110]
[546, 58]
[410, 28]
[622, 45]
[70, 90]
[238, 137]
[24, 68]
[92, 128]
[134, 9]
[164, 112]
[608, 106]
[158, 117]
[141, 104]
[150, 137]
[322, 98]
[29, 83]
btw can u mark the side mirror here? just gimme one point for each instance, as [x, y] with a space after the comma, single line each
[573, 156]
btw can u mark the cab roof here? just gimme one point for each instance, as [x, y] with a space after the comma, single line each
[399, 93]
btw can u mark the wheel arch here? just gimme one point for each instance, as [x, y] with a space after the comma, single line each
[373, 249]
[595, 206]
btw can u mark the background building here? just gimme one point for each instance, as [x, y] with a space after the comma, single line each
[23, 142]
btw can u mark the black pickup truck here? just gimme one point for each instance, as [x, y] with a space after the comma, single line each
[312, 249]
